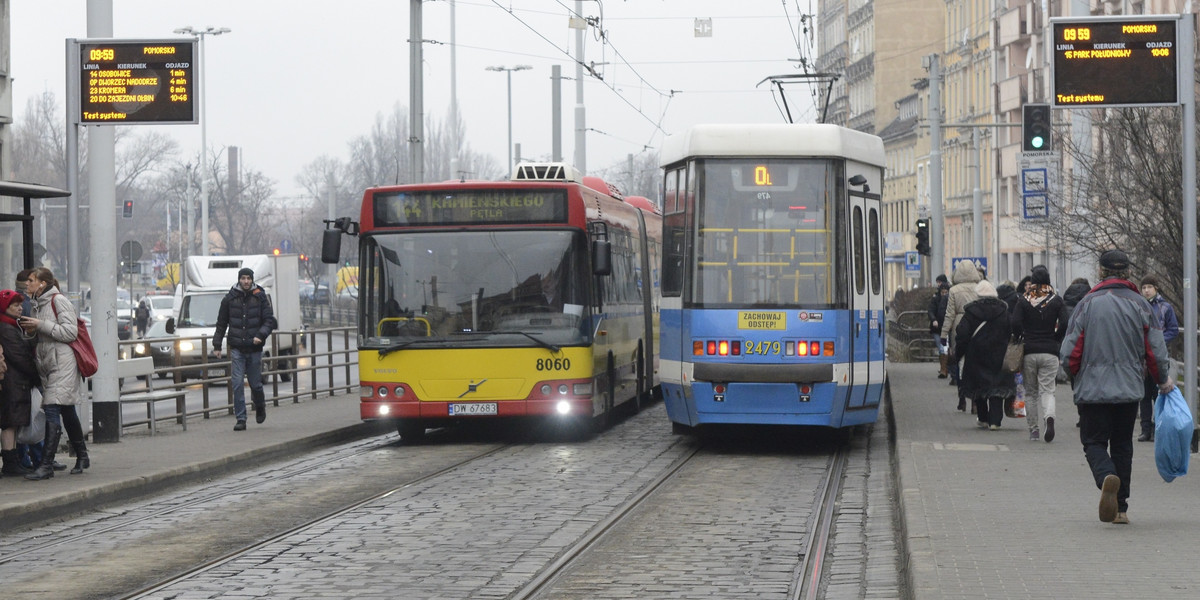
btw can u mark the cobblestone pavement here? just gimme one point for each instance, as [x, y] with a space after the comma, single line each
[731, 524]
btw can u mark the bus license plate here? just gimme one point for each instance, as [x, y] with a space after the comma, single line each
[475, 408]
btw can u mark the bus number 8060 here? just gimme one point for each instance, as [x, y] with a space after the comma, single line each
[553, 364]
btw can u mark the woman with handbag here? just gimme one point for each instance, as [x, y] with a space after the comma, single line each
[20, 378]
[1040, 318]
[980, 342]
[55, 326]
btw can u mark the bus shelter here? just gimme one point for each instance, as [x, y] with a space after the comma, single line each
[17, 249]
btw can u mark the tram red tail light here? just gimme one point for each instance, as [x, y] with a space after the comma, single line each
[814, 348]
[735, 348]
[712, 348]
[723, 348]
[802, 349]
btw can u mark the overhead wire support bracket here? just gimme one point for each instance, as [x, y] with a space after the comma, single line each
[820, 78]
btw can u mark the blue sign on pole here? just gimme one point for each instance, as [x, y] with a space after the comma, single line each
[912, 261]
[285, 246]
[980, 262]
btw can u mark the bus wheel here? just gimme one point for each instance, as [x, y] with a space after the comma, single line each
[411, 431]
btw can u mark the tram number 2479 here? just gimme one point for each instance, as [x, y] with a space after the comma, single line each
[553, 364]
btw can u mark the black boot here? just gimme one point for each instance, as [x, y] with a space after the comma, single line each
[260, 405]
[49, 448]
[81, 457]
[1147, 433]
[12, 463]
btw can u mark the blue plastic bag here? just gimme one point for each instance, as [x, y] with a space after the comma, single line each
[1172, 435]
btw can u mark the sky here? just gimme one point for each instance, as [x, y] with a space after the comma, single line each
[297, 80]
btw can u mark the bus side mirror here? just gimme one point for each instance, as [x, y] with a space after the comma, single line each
[331, 246]
[601, 257]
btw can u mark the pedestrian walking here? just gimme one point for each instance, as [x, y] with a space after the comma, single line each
[142, 316]
[20, 377]
[54, 326]
[981, 339]
[961, 294]
[247, 315]
[937, 314]
[1039, 318]
[1007, 292]
[1113, 339]
[1170, 328]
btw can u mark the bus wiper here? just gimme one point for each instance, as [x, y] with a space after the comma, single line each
[538, 340]
[402, 345]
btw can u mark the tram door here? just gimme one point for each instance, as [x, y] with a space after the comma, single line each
[866, 282]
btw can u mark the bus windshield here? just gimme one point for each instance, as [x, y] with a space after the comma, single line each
[764, 234]
[484, 288]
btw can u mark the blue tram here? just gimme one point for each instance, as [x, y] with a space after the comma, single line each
[772, 276]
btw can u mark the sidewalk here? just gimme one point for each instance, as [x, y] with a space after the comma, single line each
[990, 514]
[141, 464]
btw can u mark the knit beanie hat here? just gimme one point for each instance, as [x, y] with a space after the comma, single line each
[1040, 275]
[246, 271]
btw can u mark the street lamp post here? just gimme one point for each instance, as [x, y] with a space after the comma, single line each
[200, 33]
[508, 73]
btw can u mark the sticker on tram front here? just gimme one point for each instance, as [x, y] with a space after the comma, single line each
[775, 321]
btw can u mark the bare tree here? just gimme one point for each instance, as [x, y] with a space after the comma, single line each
[1127, 194]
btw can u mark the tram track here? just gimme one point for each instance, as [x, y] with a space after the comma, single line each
[812, 564]
[128, 519]
[328, 516]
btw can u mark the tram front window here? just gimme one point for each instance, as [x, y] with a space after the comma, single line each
[486, 288]
[764, 233]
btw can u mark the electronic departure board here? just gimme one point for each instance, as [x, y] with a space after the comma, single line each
[1115, 61]
[137, 82]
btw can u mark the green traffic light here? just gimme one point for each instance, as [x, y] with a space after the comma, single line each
[1037, 141]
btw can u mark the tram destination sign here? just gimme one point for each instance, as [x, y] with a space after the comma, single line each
[1115, 61]
[130, 82]
[470, 207]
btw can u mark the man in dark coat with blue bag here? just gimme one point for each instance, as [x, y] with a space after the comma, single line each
[246, 313]
[1112, 340]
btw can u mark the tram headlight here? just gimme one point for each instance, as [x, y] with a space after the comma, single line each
[563, 407]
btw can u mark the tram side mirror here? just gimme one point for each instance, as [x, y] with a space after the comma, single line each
[601, 257]
[331, 246]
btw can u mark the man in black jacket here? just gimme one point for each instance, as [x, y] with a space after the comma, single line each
[246, 313]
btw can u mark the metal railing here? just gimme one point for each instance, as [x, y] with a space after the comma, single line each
[281, 372]
[909, 339]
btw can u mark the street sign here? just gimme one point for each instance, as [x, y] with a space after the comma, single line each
[980, 262]
[285, 246]
[1035, 206]
[131, 251]
[912, 264]
[1039, 182]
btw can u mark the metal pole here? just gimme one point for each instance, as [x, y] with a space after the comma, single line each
[102, 187]
[454, 141]
[976, 195]
[936, 223]
[416, 94]
[556, 113]
[580, 112]
[509, 165]
[1187, 57]
[203, 150]
[74, 262]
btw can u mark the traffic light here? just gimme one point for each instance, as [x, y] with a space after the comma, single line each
[1035, 127]
[923, 236]
[127, 210]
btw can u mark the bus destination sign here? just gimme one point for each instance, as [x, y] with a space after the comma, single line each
[1115, 61]
[124, 82]
[470, 207]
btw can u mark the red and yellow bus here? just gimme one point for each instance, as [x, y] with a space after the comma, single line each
[534, 297]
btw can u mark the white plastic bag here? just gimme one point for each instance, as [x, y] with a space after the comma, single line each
[35, 431]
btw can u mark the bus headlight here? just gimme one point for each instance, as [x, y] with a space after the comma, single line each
[384, 409]
[563, 407]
